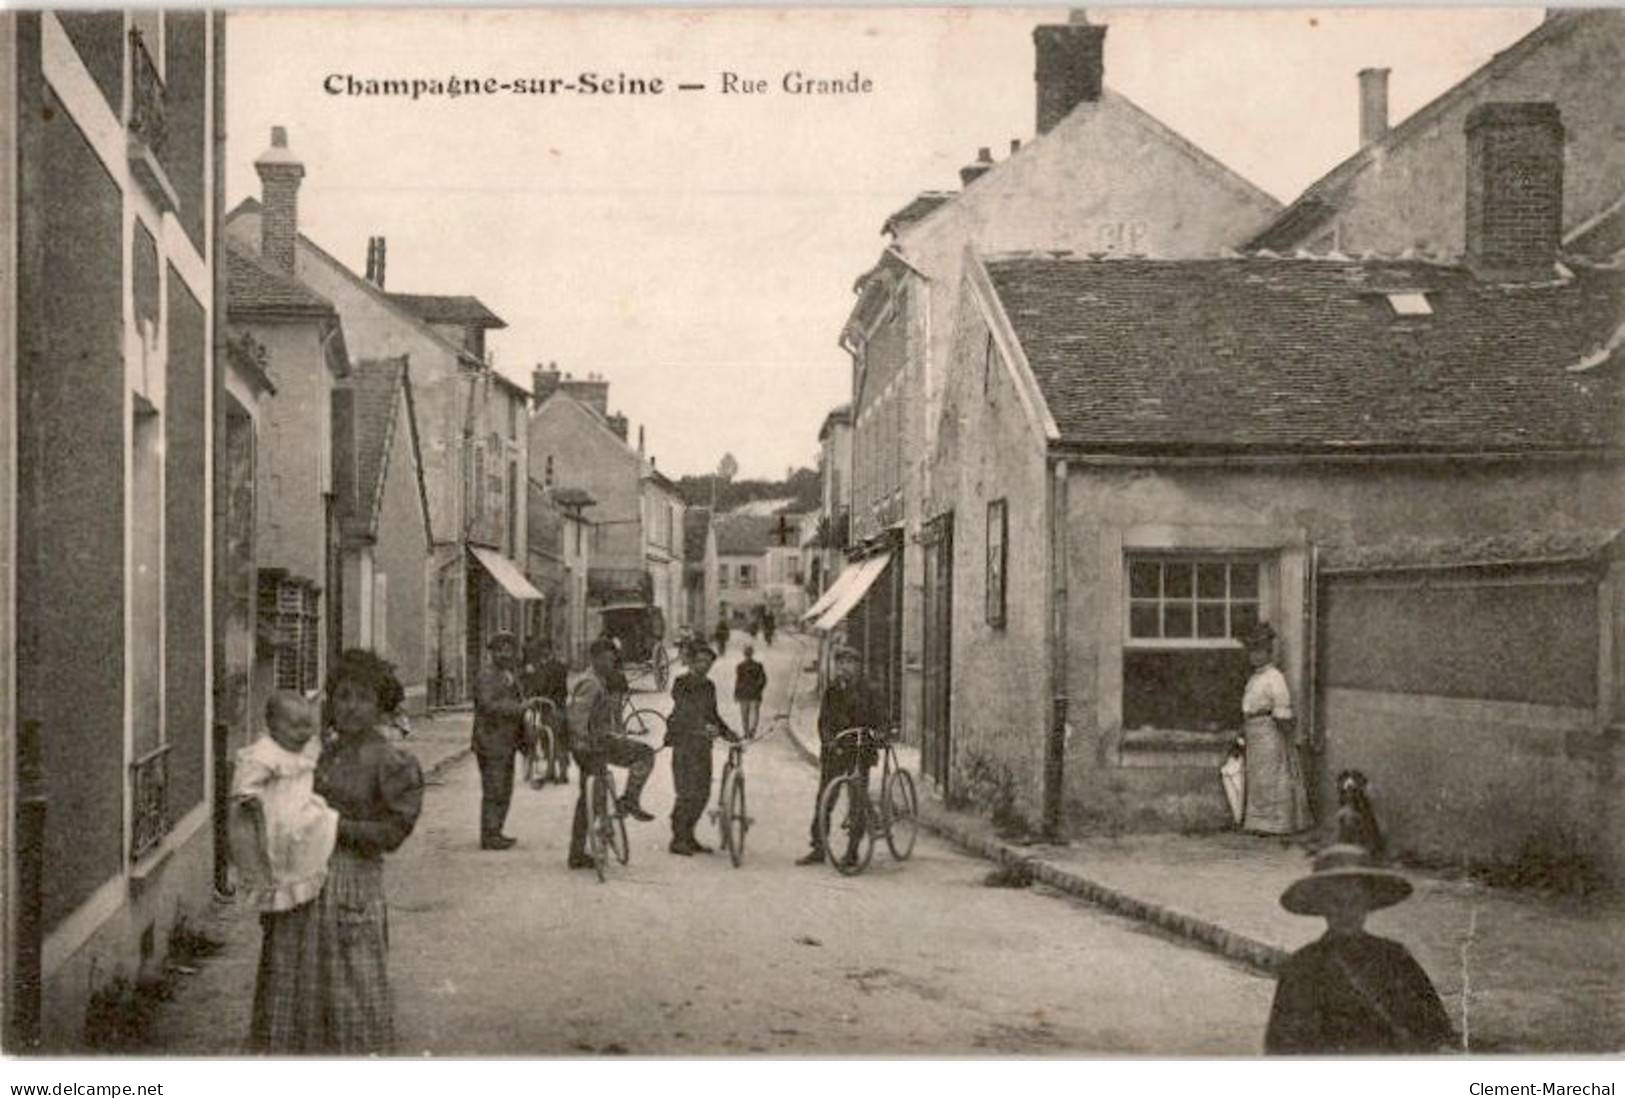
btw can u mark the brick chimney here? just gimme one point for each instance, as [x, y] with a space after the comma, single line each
[280, 172]
[1070, 63]
[1373, 106]
[593, 391]
[977, 168]
[375, 261]
[1514, 188]
[618, 424]
[544, 382]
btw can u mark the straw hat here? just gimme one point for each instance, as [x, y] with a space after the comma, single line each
[1344, 875]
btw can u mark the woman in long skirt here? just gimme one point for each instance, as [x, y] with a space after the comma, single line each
[323, 982]
[1277, 802]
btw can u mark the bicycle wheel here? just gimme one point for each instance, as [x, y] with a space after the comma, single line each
[725, 831]
[597, 843]
[646, 724]
[734, 818]
[662, 666]
[843, 807]
[902, 813]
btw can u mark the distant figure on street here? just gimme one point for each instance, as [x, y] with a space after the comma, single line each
[721, 635]
[750, 680]
[1277, 801]
[1349, 992]
[499, 731]
[546, 676]
[596, 738]
[769, 625]
[848, 702]
[694, 721]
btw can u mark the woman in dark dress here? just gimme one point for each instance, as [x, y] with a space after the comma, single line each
[324, 985]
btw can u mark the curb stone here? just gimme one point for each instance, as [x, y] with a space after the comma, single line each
[1260, 956]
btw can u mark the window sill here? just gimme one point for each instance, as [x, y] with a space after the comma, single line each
[1166, 747]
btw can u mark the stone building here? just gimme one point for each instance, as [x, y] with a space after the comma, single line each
[112, 403]
[1101, 176]
[1403, 187]
[1136, 482]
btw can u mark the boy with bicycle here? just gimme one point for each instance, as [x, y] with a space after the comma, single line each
[848, 702]
[694, 720]
[594, 720]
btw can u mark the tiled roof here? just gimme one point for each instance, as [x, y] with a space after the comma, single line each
[1295, 355]
[448, 309]
[696, 521]
[1521, 547]
[842, 414]
[1320, 200]
[253, 287]
[744, 535]
[920, 206]
[376, 384]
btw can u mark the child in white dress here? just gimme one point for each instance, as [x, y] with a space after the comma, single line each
[282, 832]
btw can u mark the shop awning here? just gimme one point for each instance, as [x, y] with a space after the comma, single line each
[503, 571]
[863, 577]
[831, 593]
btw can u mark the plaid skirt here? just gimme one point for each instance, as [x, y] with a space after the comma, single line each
[323, 985]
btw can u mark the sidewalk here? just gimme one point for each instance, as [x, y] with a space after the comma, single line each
[1517, 972]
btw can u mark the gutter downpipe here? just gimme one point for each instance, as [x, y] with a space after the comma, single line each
[1055, 742]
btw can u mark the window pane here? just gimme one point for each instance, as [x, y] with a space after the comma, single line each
[1243, 616]
[1144, 579]
[1176, 580]
[1210, 580]
[1244, 581]
[1176, 619]
[1142, 619]
[1210, 619]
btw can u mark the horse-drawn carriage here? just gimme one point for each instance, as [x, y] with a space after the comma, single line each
[640, 630]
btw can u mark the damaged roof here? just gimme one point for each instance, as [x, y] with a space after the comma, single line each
[1316, 355]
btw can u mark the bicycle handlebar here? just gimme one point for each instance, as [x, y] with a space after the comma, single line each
[881, 738]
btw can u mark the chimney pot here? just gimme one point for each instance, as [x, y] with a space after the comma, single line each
[1070, 67]
[977, 168]
[1015, 145]
[1373, 106]
[279, 137]
[1514, 188]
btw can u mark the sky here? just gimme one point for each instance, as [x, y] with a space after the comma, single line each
[698, 249]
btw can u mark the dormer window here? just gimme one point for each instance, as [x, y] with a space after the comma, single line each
[1409, 304]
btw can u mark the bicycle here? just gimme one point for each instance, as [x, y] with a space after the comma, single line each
[542, 749]
[642, 723]
[606, 822]
[896, 816]
[733, 821]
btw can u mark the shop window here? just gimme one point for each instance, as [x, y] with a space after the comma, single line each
[1184, 667]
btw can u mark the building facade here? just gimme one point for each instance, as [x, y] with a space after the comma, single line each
[111, 403]
[470, 420]
[701, 570]
[663, 509]
[1102, 176]
[1125, 509]
[1402, 189]
[560, 548]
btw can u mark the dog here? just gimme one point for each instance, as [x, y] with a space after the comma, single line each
[1356, 821]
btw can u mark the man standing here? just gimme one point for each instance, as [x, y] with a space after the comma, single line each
[694, 720]
[749, 683]
[597, 741]
[848, 702]
[499, 726]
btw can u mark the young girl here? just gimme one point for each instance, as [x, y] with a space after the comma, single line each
[282, 833]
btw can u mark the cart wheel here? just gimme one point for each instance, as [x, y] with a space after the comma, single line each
[734, 818]
[844, 806]
[902, 815]
[662, 667]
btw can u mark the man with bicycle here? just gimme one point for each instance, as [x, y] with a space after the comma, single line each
[848, 702]
[594, 721]
[546, 677]
[694, 720]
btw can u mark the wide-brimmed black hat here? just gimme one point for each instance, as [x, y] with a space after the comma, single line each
[1261, 635]
[1344, 875]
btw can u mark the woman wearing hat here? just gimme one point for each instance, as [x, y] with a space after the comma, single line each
[1351, 992]
[1277, 803]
